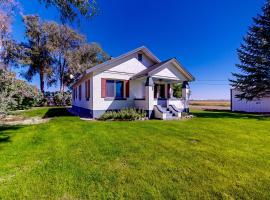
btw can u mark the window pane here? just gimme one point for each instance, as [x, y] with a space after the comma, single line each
[140, 57]
[109, 88]
[119, 89]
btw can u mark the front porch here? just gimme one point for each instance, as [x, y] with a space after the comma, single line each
[159, 100]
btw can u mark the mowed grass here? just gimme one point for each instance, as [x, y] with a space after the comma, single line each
[217, 155]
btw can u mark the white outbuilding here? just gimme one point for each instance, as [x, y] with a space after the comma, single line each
[255, 106]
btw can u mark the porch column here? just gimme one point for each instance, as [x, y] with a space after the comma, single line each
[149, 96]
[185, 95]
[170, 91]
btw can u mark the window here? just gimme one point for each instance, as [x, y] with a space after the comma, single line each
[87, 90]
[140, 57]
[80, 92]
[115, 88]
[73, 94]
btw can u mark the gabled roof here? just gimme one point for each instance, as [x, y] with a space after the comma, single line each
[147, 72]
[150, 71]
[140, 49]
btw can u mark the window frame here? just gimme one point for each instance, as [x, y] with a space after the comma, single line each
[114, 86]
[156, 91]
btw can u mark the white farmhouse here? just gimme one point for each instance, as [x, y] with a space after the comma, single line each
[137, 79]
[255, 106]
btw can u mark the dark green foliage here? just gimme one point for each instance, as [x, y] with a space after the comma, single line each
[177, 90]
[253, 81]
[125, 114]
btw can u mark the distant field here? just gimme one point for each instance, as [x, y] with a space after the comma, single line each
[223, 103]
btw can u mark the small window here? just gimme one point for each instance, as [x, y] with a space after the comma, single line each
[80, 92]
[140, 57]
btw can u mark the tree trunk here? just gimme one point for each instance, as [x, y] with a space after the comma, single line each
[41, 75]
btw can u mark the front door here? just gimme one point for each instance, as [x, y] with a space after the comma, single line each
[159, 94]
[159, 91]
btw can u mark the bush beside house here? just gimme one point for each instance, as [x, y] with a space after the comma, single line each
[125, 115]
[16, 94]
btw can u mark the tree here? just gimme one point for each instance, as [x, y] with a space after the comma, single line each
[63, 42]
[177, 90]
[7, 8]
[72, 54]
[69, 9]
[254, 54]
[36, 52]
[56, 52]
[87, 56]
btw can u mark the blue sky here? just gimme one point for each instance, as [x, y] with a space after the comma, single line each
[202, 35]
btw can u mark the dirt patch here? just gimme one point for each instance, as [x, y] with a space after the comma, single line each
[210, 107]
[20, 120]
[218, 103]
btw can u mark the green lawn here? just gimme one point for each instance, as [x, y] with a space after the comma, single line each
[216, 155]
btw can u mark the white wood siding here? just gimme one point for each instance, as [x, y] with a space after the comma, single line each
[257, 105]
[83, 103]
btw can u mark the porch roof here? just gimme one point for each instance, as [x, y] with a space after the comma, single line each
[150, 71]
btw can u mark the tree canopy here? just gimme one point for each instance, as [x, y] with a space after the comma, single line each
[70, 9]
[253, 80]
[35, 53]
[56, 52]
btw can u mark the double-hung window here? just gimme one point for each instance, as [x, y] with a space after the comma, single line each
[115, 89]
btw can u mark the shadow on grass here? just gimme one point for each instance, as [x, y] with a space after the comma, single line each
[5, 134]
[57, 112]
[209, 113]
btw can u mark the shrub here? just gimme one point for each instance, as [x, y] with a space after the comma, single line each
[62, 98]
[125, 114]
[16, 94]
[57, 99]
